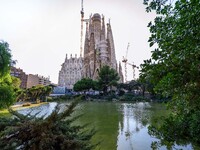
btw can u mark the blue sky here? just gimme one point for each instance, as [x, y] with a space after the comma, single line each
[42, 32]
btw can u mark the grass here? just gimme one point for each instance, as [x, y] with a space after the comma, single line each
[4, 113]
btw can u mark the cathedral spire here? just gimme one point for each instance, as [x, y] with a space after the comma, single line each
[92, 55]
[103, 31]
[66, 57]
[99, 47]
[86, 45]
[87, 31]
[91, 26]
[111, 48]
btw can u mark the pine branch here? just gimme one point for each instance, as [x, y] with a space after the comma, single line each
[69, 110]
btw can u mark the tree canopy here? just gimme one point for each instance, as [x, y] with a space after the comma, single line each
[34, 93]
[7, 94]
[84, 84]
[108, 77]
[5, 58]
[174, 66]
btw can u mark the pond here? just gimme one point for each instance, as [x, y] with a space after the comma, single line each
[119, 125]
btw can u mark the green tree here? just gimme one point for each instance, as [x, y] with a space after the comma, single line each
[84, 84]
[35, 93]
[55, 132]
[146, 86]
[107, 78]
[16, 82]
[7, 95]
[174, 67]
[132, 85]
[46, 91]
[5, 58]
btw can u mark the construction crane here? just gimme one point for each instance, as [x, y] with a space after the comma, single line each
[82, 19]
[124, 60]
[133, 67]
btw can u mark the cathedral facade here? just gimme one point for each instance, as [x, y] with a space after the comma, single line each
[71, 71]
[99, 50]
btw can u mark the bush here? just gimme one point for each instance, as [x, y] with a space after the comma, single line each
[63, 98]
[132, 97]
[121, 92]
[127, 97]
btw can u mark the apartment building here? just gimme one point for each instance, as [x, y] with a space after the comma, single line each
[19, 73]
[34, 80]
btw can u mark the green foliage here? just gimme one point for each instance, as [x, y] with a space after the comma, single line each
[174, 66]
[130, 86]
[5, 58]
[34, 93]
[84, 84]
[16, 82]
[7, 96]
[96, 85]
[127, 97]
[108, 77]
[62, 98]
[121, 92]
[133, 98]
[146, 85]
[56, 132]
[7, 93]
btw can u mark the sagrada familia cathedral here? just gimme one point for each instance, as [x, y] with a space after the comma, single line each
[99, 50]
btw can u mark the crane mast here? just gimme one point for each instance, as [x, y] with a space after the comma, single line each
[124, 60]
[82, 19]
[133, 67]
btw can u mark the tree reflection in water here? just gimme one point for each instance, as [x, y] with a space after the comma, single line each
[121, 126]
[133, 129]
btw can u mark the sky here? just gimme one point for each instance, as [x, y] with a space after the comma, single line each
[41, 32]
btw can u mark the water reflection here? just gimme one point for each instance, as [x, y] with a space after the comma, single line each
[133, 129]
[104, 117]
[40, 111]
[132, 133]
[120, 126]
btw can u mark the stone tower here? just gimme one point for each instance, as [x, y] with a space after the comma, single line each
[99, 47]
